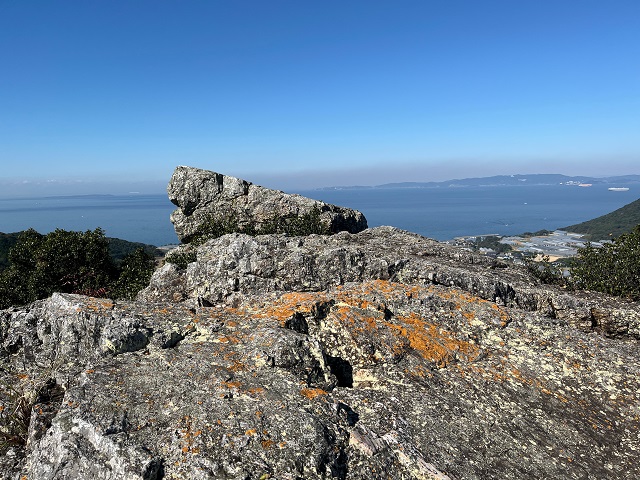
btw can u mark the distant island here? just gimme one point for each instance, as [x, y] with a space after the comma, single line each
[506, 180]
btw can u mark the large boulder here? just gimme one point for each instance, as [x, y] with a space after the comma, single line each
[203, 196]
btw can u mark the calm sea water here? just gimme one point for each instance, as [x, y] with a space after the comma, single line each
[440, 213]
[138, 218]
[447, 212]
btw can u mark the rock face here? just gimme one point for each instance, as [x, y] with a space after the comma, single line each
[202, 196]
[374, 355]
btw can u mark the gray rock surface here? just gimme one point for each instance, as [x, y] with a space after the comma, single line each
[234, 266]
[374, 355]
[202, 195]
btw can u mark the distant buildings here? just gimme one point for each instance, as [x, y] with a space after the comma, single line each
[558, 244]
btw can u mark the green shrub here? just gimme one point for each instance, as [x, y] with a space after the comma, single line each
[613, 268]
[135, 272]
[546, 271]
[181, 258]
[70, 262]
[492, 242]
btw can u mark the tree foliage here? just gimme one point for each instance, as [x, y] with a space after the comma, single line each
[613, 268]
[545, 270]
[69, 262]
[7, 240]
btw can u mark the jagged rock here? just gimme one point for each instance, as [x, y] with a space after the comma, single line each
[202, 196]
[231, 267]
[374, 355]
[390, 380]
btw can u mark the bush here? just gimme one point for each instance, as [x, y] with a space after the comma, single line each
[546, 271]
[69, 262]
[135, 272]
[181, 259]
[492, 242]
[613, 268]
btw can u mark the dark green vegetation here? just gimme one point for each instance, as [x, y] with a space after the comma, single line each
[613, 268]
[118, 248]
[539, 233]
[292, 225]
[7, 240]
[181, 259]
[611, 225]
[492, 242]
[547, 271]
[71, 262]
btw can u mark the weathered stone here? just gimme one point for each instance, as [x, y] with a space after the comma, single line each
[392, 380]
[202, 196]
[233, 266]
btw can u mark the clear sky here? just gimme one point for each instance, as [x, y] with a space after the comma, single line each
[315, 93]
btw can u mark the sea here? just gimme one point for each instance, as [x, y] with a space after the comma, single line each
[442, 213]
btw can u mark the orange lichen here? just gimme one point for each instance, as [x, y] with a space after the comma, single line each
[312, 393]
[230, 384]
[267, 443]
[432, 343]
[289, 304]
[237, 366]
[228, 339]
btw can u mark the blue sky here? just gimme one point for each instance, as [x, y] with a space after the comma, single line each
[295, 94]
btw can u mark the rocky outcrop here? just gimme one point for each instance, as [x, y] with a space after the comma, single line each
[374, 355]
[203, 196]
[232, 267]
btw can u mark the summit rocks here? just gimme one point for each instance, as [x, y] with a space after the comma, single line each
[372, 355]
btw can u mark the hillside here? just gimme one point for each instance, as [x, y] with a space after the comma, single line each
[611, 225]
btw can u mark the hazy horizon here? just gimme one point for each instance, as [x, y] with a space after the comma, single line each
[298, 95]
[292, 182]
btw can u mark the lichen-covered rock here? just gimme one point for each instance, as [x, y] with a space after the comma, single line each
[372, 379]
[203, 196]
[233, 266]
